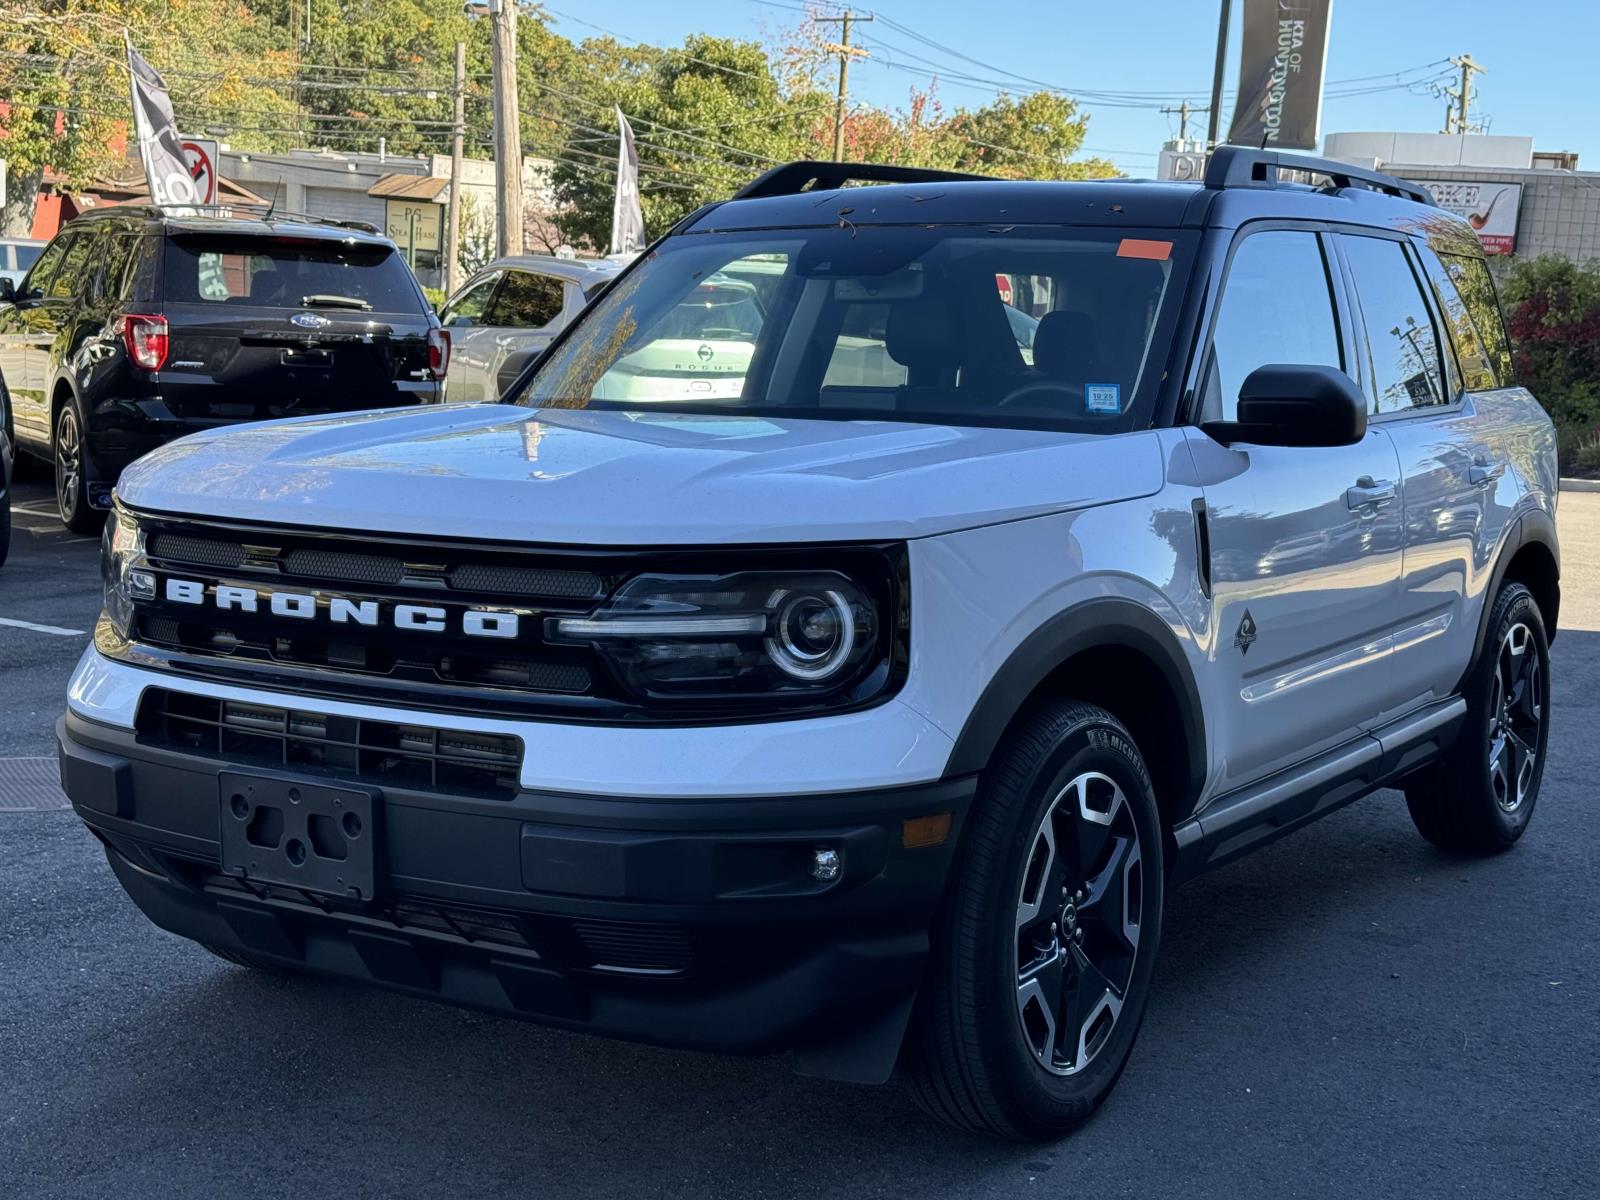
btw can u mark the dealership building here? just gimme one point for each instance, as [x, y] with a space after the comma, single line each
[1522, 201]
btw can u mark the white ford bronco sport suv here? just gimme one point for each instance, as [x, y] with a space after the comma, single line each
[865, 712]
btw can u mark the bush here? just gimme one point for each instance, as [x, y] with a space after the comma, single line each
[1552, 308]
[435, 296]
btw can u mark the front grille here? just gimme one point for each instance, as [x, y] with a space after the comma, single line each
[484, 573]
[349, 657]
[382, 753]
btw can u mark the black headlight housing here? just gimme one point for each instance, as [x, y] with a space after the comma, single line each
[782, 634]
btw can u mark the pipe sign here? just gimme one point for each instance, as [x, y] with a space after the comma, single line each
[201, 156]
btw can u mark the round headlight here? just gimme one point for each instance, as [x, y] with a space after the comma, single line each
[813, 633]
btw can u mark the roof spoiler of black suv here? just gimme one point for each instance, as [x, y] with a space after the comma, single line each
[813, 176]
[250, 209]
[1244, 167]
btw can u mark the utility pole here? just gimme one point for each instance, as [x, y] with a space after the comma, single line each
[452, 228]
[507, 130]
[1182, 113]
[1214, 117]
[1462, 95]
[845, 51]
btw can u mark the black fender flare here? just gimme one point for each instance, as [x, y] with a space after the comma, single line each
[1106, 621]
[1532, 525]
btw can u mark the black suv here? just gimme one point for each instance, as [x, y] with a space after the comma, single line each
[135, 327]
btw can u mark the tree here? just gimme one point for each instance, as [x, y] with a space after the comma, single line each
[64, 81]
[1552, 308]
[1026, 137]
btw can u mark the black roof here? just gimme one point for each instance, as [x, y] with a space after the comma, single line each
[277, 225]
[1241, 184]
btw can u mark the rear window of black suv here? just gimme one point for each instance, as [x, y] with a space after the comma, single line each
[262, 272]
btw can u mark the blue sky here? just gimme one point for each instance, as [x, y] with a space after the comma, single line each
[1540, 55]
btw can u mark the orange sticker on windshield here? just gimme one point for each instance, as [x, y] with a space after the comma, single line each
[1141, 248]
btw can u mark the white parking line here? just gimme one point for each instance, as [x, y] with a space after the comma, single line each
[55, 629]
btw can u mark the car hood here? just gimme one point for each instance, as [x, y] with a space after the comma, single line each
[616, 478]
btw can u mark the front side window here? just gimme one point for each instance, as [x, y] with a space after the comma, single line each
[44, 268]
[469, 306]
[526, 301]
[69, 280]
[262, 272]
[1406, 365]
[892, 323]
[1276, 308]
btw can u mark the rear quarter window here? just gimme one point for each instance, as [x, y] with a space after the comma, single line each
[267, 273]
[1472, 279]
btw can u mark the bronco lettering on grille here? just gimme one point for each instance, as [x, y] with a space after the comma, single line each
[339, 610]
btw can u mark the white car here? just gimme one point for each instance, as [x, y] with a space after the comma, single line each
[17, 255]
[508, 312]
[869, 710]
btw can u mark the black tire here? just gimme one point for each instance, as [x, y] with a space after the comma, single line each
[243, 958]
[1479, 797]
[72, 480]
[976, 1057]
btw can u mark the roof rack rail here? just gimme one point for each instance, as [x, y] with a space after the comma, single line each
[815, 176]
[259, 210]
[1246, 167]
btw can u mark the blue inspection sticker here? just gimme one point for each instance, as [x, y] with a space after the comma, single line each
[1102, 398]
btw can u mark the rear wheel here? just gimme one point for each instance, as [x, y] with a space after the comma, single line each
[1479, 797]
[72, 483]
[1041, 964]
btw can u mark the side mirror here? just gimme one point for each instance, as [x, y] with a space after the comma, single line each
[8, 290]
[1295, 405]
[511, 369]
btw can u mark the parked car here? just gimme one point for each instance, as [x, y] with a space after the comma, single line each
[868, 720]
[134, 327]
[17, 255]
[508, 312]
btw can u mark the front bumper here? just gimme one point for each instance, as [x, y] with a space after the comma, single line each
[681, 921]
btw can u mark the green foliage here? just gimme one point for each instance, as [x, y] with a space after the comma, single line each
[436, 296]
[1552, 309]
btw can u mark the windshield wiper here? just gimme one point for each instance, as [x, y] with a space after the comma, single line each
[325, 300]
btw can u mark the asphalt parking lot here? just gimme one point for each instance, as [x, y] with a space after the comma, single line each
[1347, 1013]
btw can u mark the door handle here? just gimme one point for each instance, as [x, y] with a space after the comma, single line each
[1369, 493]
[1481, 472]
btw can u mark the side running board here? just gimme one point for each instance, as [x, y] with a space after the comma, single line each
[1234, 824]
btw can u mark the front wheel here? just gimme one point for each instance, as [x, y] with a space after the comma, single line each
[1041, 964]
[72, 484]
[1479, 797]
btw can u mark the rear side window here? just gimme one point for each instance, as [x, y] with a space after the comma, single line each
[74, 271]
[1472, 279]
[1406, 363]
[1277, 307]
[109, 284]
[526, 301]
[288, 273]
[1476, 373]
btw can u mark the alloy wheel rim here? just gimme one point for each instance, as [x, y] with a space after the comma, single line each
[68, 464]
[1079, 910]
[1516, 718]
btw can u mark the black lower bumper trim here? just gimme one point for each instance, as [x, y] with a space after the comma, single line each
[691, 923]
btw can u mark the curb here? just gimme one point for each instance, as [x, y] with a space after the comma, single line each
[1580, 485]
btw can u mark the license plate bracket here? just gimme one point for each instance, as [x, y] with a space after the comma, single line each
[300, 833]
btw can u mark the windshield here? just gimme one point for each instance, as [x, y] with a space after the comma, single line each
[1029, 326]
[288, 273]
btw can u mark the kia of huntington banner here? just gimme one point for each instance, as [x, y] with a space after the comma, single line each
[1281, 61]
[165, 166]
[1490, 208]
[627, 218]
